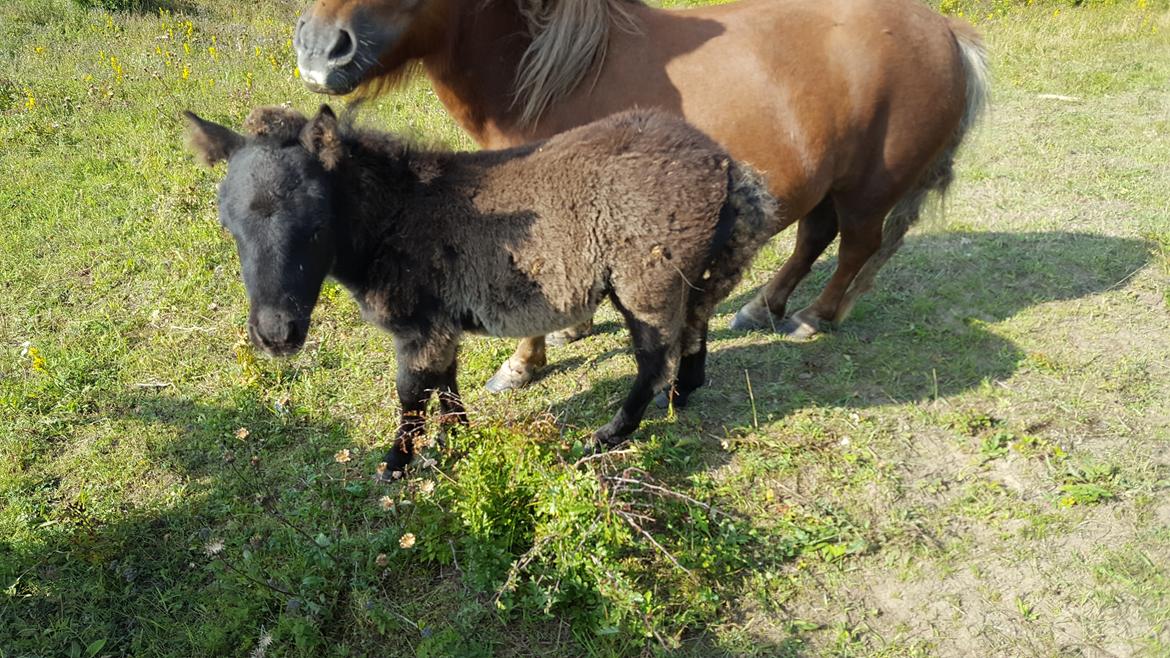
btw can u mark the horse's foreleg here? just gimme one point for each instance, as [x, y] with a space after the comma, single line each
[814, 234]
[521, 368]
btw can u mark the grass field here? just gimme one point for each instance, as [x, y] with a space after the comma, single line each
[976, 464]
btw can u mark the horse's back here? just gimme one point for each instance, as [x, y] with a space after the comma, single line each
[814, 92]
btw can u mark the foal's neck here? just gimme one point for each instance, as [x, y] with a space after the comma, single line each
[376, 187]
[371, 189]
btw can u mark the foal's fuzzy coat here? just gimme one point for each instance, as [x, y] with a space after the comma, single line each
[639, 207]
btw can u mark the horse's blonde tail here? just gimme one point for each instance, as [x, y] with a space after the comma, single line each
[938, 176]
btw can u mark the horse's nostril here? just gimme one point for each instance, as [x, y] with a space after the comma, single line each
[343, 49]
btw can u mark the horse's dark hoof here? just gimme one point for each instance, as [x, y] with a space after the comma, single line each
[663, 399]
[796, 329]
[566, 336]
[608, 437]
[510, 377]
[753, 317]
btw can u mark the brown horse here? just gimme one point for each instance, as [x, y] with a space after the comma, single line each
[853, 109]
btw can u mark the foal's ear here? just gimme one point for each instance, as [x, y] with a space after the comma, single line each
[210, 141]
[322, 137]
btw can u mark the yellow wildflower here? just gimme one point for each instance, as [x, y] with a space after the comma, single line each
[38, 361]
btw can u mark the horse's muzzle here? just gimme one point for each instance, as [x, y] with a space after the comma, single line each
[327, 56]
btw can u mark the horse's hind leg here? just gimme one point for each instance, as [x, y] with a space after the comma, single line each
[520, 368]
[814, 233]
[861, 237]
[570, 335]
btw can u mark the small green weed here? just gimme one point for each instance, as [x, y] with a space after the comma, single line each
[996, 445]
[1087, 484]
[971, 423]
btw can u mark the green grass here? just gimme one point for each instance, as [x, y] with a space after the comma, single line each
[975, 464]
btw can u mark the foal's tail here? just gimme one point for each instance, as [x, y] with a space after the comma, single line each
[747, 221]
[938, 176]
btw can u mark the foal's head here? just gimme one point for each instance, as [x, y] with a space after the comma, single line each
[277, 202]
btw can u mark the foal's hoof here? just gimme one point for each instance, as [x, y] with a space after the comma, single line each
[393, 466]
[608, 437]
[510, 377]
[753, 318]
[663, 399]
[797, 329]
[566, 336]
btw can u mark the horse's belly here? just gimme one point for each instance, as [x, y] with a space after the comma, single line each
[525, 322]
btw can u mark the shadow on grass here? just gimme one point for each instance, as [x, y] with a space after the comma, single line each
[922, 333]
[140, 6]
[272, 534]
[925, 332]
[145, 583]
[300, 531]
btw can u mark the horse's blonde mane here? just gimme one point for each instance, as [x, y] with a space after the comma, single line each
[569, 39]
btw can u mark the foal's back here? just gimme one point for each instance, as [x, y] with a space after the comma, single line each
[632, 173]
[548, 227]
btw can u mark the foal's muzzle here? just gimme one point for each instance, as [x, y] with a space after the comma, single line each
[277, 333]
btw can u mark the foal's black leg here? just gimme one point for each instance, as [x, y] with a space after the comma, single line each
[651, 363]
[651, 352]
[692, 373]
[418, 378]
[451, 409]
[414, 392]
